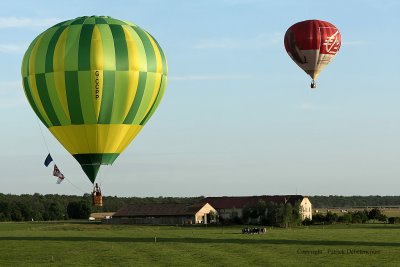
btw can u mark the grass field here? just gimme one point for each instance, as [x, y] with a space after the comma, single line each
[87, 244]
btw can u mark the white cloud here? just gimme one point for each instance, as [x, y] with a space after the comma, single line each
[12, 102]
[11, 86]
[209, 77]
[11, 95]
[11, 48]
[14, 22]
[256, 42]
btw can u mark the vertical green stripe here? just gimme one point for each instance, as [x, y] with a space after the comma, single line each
[84, 47]
[107, 98]
[72, 48]
[121, 49]
[120, 96]
[160, 95]
[148, 93]
[25, 64]
[150, 56]
[86, 96]
[27, 56]
[59, 24]
[113, 21]
[100, 21]
[64, 23]
[28, 94]
[50, 49]
[55, 99]
[90, 20]
[45, 99]
[138, 98]
[77, 21]
[73, 98]
[41, 52]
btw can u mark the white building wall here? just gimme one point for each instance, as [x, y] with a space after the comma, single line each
[306, 209]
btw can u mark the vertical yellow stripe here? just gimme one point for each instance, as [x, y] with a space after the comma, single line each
[32, 82]
[129, 136]
[96, 50]
[133, 81]
[59, 75]
[133, 50]
[156, 88]
[133, 55]
[97, 66]
[136, 50]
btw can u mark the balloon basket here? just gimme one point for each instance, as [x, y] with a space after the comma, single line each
[97, 200]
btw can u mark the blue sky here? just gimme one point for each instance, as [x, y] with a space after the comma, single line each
[238, 116]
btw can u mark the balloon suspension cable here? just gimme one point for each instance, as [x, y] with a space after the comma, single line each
[41, 132]
[48, 150]
[100, 179]
[74, 185]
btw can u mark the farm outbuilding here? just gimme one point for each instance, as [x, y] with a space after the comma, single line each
[99, 216]
[165, 213]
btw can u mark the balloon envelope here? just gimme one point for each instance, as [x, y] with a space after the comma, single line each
[312, 44]
[94, 82]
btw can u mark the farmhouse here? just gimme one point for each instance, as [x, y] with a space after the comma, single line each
[231, 207]
[165, 213]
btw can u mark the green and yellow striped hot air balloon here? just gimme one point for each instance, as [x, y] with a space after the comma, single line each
[94, 82]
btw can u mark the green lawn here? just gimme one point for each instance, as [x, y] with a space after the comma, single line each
[84, 244]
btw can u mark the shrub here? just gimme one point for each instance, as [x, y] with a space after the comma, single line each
[307, 222]
[394, 220]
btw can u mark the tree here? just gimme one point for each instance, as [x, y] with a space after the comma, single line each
[331, 217]
[296, 215]
[307, 222]
[272, 216]
[376, 214]
[213, 217]
[394, 220]
[78, 210]
[54, 212]
[345, 218]
[360, 216]
[286, 216]
[4, 211]
[255, 212]
[318, 218]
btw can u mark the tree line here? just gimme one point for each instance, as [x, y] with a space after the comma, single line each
[39, 207]
[51, 207]
[359, 216]
[353, 201]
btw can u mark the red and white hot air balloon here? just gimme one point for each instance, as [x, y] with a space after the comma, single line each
[312, 44]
